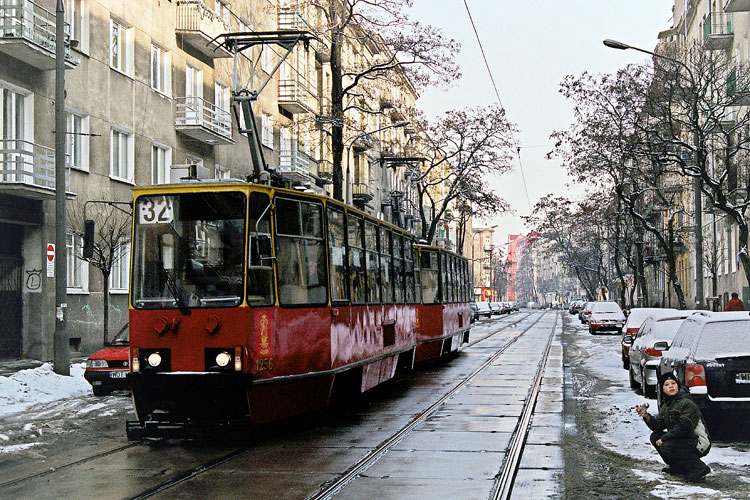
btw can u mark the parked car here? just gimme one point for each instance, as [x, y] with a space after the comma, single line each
[496, 308]
[107, 368]
[515, 306]
[605, 316]
[710, 355]
[583, 315]
[575, 306]
[660, 326]
[484, 309]
[633, 322]
[507, 307]
[474, 311]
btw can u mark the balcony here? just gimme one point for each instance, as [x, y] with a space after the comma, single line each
[361, 194]
[295, 96]
[291, 18]
[27, 33]
[736, 5]
[718, 31]
[197, 25]
[203, 120]
[28, 170]
[325, 169]
[296, 165]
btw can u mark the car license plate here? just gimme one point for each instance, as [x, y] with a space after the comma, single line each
[123, 373]
[743, 378]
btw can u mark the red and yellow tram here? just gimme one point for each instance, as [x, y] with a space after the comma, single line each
[250, 303]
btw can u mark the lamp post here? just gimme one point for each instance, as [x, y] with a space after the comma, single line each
[351, 141]
[473, 261]
[698, 181]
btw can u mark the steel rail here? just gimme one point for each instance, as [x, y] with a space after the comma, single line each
[52, 470]
[363, 464]
[504, 480]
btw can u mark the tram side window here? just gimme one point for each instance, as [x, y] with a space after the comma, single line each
[259, 270]
[373, 265]
[462, 283]
[385, 266]
[300, 252]
[398, 268]
[337, 254]
[455, 278]
[417, 282]
[444, 279]
[409, 270]
[356, 260]
[430, 278]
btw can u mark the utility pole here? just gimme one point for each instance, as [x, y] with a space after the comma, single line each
[60, 339]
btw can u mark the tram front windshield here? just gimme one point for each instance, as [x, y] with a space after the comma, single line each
[188, 250]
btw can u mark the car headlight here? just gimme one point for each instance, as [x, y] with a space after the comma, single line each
[154, 359]
[223, 359]
[96, 363]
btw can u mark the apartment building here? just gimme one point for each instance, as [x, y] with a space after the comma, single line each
[714, 25]
[148, 95]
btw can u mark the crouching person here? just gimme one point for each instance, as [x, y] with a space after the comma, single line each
[686, 439]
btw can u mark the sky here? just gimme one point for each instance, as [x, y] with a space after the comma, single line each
[531, 45]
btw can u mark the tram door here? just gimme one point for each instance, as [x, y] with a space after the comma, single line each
[10, 290]
[338, 262]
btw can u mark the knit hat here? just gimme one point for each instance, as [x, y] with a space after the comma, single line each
[667, 376]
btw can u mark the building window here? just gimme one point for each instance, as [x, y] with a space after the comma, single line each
[266, 59]
[221, 172]
[223, 101]
[161, 160]
[244, 26]
[121, 155]
[119, 277]
[161, 70]
[77, 141]
[121, 47]
[266, 125]
[223, 12]
[78, 269]
[75, 16]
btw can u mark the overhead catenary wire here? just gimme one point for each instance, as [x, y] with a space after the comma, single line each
[499, 101]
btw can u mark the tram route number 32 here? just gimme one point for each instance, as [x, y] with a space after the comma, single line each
[155, 210]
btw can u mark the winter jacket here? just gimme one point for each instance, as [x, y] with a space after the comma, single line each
[735, 304]
[679, 415]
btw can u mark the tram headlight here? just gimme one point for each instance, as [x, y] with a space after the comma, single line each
[223, 359]
[154, 359]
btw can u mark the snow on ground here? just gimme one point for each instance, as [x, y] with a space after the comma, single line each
[625, 432]
[28, 388]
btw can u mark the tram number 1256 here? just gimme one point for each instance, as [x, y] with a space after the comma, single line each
[263, 364]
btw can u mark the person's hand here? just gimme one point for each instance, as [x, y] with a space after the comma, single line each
[658, 442]
[641, 411]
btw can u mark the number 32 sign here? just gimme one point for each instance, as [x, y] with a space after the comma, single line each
[155, 210]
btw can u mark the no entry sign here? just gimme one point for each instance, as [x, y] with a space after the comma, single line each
[50, 260]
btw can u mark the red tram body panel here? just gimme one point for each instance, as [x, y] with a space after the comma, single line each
[250, 304]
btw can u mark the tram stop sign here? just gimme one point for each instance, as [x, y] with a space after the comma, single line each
[50, 260]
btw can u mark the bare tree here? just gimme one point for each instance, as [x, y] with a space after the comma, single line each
[403, 52]
[113, 226]
[462, 148]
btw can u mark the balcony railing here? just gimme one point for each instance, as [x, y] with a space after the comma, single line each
[296, 158]
[291, 18]
[198, 25]
[203, 120]
[295, 96]
[718, 30]
[27, 33]
[29, 168]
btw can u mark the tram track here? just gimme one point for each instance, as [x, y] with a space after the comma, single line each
[181, 477]
[333, 488]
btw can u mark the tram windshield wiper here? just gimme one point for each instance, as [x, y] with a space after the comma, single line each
[176, 292]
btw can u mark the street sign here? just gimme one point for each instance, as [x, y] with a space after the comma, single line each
[50, 260]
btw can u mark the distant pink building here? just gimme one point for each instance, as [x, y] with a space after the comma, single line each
[513, 241]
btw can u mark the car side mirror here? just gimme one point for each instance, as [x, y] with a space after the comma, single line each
[661, 346]
[627, 339]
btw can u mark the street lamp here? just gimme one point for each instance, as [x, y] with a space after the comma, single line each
[698, 185]
[351, 142]
[477, 232]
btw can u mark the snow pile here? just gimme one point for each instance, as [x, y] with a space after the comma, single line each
[28, 388]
